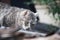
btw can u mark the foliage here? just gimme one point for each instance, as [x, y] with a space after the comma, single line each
[53, 6]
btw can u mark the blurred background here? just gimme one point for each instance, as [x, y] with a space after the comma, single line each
[48, 12]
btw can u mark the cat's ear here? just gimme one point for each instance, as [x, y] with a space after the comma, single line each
[24, 13]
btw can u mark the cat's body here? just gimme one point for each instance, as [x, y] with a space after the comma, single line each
[10, 16]
[13, 19]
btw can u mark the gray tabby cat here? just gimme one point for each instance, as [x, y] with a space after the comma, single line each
[18, 17]
[14, 19]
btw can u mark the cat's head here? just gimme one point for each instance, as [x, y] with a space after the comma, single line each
[29, 16]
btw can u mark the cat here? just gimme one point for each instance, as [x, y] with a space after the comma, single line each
[20, 17]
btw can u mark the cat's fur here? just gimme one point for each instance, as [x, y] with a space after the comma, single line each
[14, 19]
[10, 16]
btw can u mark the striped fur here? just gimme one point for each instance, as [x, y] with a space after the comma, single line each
[10, 16]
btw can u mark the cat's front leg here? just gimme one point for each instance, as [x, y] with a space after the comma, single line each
[23, 26]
